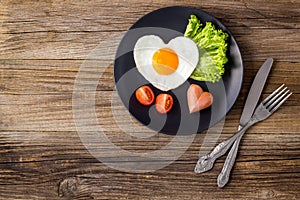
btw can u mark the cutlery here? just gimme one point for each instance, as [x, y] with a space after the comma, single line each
[251, 102]
[206, 164]
[265, 109]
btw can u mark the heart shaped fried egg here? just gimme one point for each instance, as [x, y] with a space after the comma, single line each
[165, 66]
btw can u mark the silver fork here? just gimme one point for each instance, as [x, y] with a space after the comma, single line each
[265, 109]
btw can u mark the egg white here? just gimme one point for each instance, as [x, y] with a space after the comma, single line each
[188, 56]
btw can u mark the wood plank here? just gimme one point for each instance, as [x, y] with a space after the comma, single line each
[260, 165]
[54, 113]
[68, 16]
[21, 147]
[58, 76]
[282, 44]
[60, 34]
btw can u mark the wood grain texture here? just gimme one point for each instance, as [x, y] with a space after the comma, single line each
[43, 45]
[71, 32]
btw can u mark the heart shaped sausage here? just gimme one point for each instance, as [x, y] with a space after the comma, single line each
[197, 99]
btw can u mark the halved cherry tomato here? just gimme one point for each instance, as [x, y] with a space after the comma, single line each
[144, 95]
[163, 103]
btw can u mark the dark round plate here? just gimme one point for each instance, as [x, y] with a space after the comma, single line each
[168, 23]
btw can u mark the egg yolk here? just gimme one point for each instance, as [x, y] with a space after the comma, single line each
[165, 61]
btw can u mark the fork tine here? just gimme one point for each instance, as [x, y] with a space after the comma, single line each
[274, 96]
[273, 93]
[276, 99]
[281, 102]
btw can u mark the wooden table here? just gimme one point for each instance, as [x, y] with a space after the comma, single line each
[44, 43]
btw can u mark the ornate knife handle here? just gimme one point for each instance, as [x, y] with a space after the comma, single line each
[205, 163]
[223, 177]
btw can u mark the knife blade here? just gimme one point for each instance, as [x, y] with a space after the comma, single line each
[255, 92]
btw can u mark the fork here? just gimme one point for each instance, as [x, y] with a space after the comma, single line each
[265, 109]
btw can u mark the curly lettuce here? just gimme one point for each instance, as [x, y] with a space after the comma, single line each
[212, 47]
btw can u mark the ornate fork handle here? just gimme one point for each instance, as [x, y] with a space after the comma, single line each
[205, 163]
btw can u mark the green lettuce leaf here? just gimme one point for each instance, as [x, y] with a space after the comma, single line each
[212, 47]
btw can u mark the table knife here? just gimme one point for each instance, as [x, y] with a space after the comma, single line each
[251, 102]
